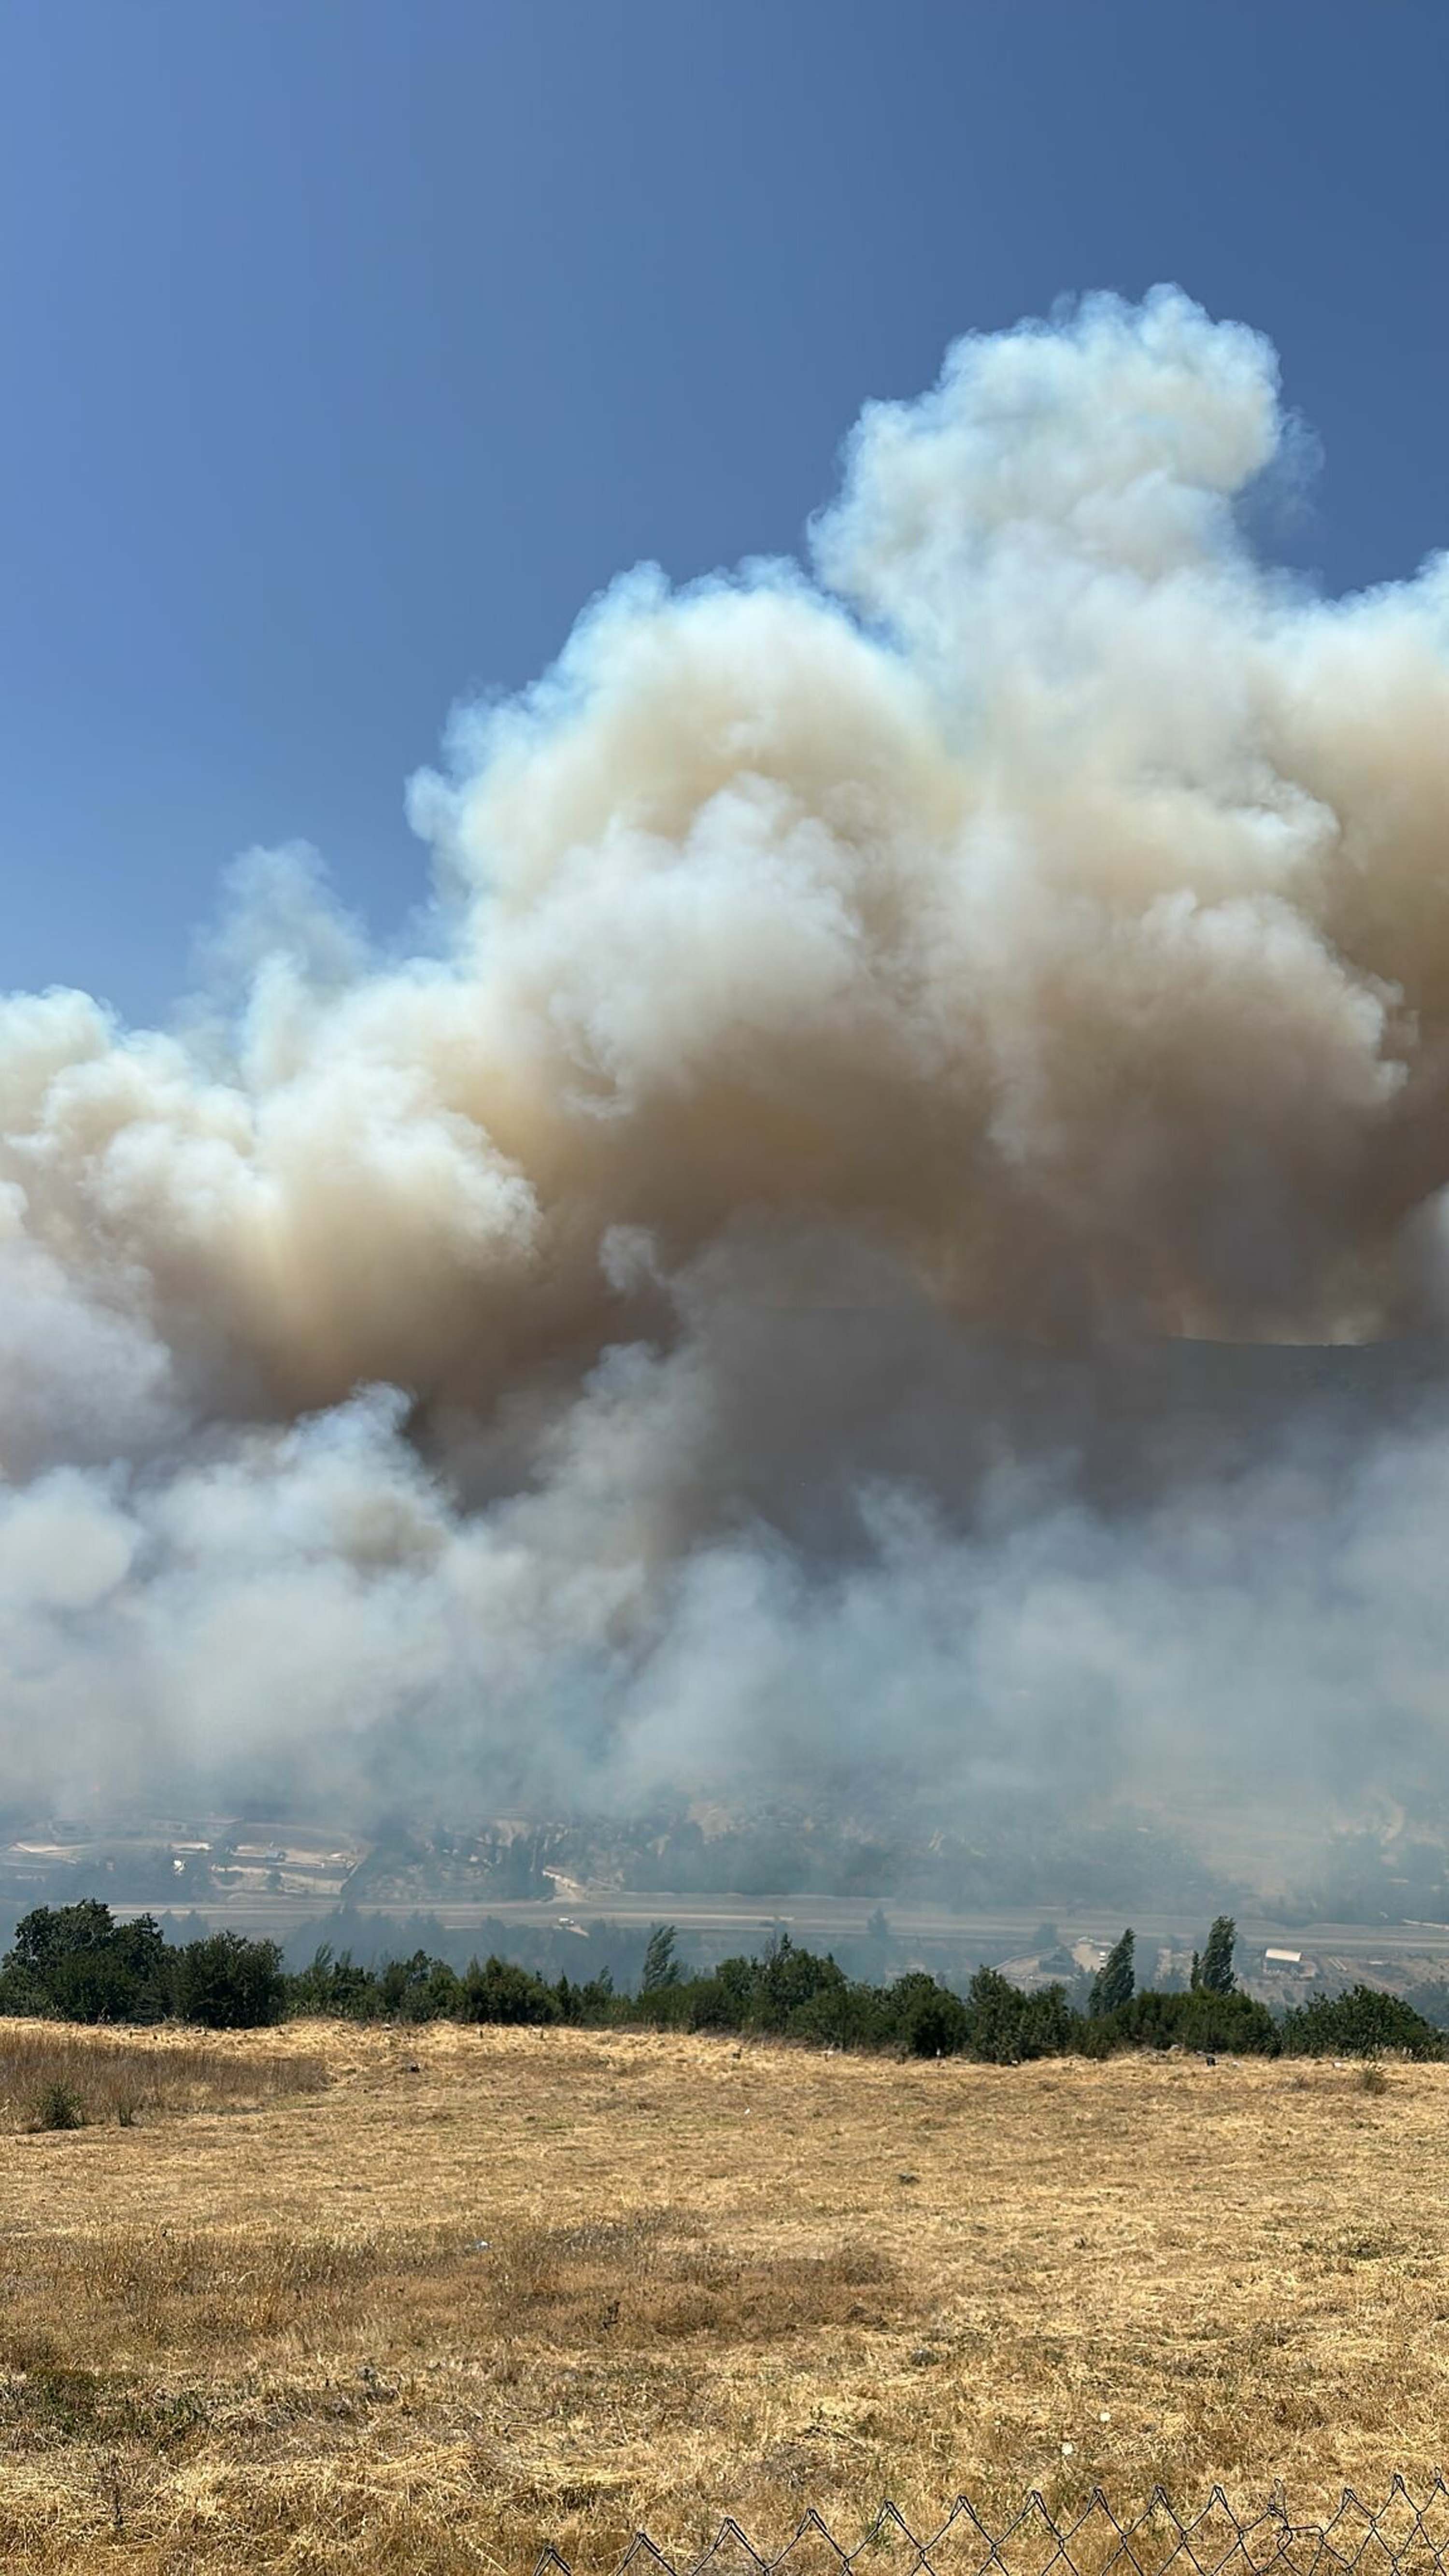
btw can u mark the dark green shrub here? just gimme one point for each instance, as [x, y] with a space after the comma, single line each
[784, 1980]
[845, 2016]
[227, 1982]
[423, 1989]
[1361, 2023]
[711, 2004]
[1205, 2018]
[929, 2020]
[498, 1991]
[60, 2108]
[333, 1984]
[1006, 2027]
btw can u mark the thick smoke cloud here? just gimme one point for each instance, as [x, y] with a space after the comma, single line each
[703, 1322]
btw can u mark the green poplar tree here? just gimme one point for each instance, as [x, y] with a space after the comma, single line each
[1115, 1982]
[1215, 1968]
[661, 1968]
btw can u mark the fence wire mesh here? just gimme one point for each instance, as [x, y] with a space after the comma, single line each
[1401, 2533]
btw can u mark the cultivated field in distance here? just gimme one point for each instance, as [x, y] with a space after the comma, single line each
[461, 2292]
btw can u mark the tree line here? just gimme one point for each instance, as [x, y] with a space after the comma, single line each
[76, 1963]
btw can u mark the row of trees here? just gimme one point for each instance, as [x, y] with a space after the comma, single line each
[1115, 1982]
[75, 1963]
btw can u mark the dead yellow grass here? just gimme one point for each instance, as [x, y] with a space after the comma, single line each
[108, 2076]
[491, 2289]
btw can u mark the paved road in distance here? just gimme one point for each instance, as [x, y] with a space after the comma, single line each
[817, 1921]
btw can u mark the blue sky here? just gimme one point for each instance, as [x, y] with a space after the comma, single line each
[350, 348]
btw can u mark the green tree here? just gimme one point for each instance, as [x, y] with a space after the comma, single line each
[333, 1984]
[1213, 1972]
[227, 1982]
[1361, 2023]
[785, 1979]
[661, 1968]
[846, 2016]
[501, 1991]
[1233, 2023]
[420, 1988]
[77, 1962]
[1006, 2026]
[1115, 1982]
[930, 2020]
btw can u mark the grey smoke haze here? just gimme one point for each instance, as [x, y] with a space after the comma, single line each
[703, 1323]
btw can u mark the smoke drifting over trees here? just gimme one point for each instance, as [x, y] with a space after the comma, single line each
[700, 1323]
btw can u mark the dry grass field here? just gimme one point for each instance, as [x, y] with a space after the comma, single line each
[457, 2293]
[102, 2077]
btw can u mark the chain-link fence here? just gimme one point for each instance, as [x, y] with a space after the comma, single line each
[1089, 2539]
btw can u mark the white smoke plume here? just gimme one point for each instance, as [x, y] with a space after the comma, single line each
[681, 1329]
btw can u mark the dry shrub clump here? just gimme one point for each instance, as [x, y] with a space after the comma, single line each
[492, 2289]
[55, 2076]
